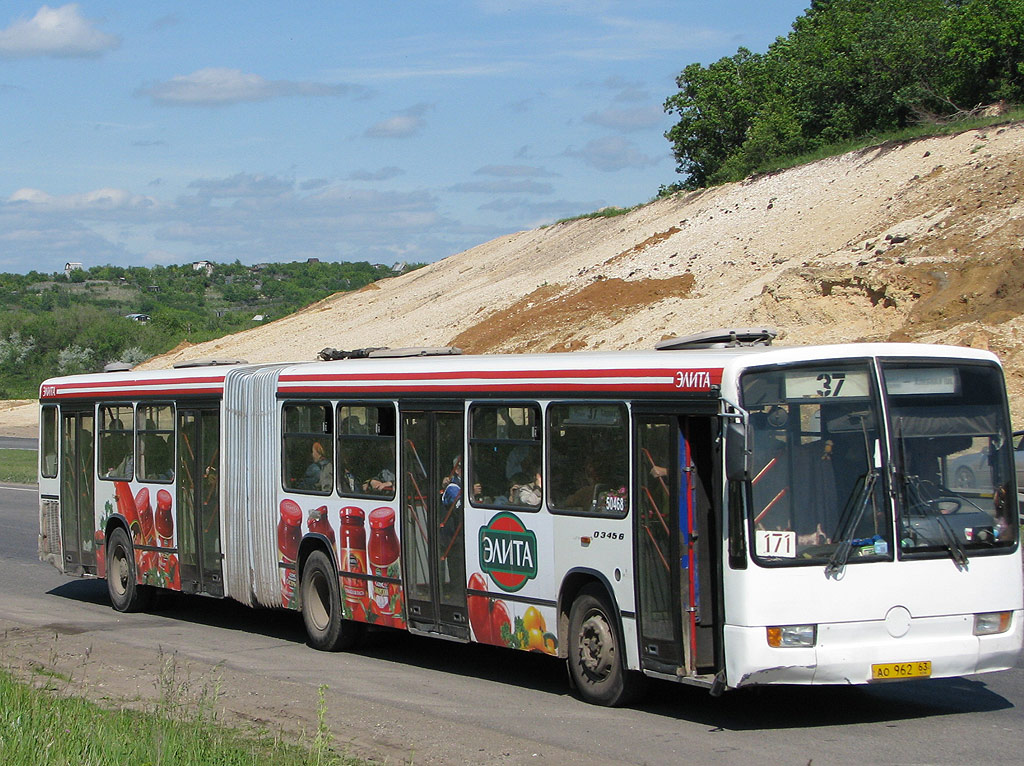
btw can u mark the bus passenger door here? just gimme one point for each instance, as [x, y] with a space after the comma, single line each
[433, 536]
[198, 485]
[676, 561]
[77, 510]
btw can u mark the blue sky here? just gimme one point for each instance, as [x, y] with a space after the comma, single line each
[144, 133]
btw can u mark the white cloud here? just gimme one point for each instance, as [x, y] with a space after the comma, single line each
[514, 171]
[219, 86]
[503, 187]
[58, 32]
[612, 153]
[383, 174]
[404, 124]
[97, 200]
[628, 119]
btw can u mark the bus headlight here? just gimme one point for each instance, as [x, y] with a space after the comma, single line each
[792, 635]
[991, 623]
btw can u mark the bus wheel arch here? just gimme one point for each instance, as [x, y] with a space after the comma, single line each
[320, 596]
[591, 640]
[126, 594]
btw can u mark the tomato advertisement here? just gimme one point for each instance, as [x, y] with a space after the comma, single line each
[152, 533]
[366, 550]
[507, 623]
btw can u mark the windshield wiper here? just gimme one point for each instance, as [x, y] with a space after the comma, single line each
[849, 520]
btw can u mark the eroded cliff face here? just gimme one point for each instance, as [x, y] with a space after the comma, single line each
[919, 241]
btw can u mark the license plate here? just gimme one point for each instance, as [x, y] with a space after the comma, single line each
[892, 671]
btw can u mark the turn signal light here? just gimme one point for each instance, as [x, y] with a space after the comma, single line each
[991, 623]
[783, 636]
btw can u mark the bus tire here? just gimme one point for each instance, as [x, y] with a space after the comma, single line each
[126, 595]
[596, 653]
[321, 606]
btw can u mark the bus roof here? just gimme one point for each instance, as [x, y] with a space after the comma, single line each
[668, 371]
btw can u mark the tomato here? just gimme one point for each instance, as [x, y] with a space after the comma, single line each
[479, 609]
[535, 640]
[534, 620]
[499, 618]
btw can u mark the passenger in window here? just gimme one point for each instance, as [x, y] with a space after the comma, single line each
[584, 496]
[381, 484]
[526, 491]
[347, 481]
[320, 473]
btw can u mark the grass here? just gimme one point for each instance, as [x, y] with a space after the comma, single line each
[39, 727]
[18, 466]
[912, 133]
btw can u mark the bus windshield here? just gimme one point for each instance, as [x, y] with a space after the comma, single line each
[816, 493]
[953, 458]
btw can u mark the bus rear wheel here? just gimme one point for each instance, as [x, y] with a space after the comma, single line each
[321, 607]
[595, 652]
[126, 595]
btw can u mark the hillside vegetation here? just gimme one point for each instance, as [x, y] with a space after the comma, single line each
[81, 320]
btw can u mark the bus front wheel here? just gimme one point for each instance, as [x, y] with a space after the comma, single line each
[595, 652]
[126, 595]
[327, 630]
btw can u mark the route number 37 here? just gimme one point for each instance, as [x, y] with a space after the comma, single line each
[831, 383]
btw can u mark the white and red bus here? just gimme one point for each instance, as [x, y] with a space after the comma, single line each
[716, 512]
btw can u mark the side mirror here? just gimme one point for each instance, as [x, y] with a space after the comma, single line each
[737, 451]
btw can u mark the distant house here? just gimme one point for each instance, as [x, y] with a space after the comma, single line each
[312, 260]
[203, 266]
[69, 267]
[143, 318]
[398, 268]
[259, 318]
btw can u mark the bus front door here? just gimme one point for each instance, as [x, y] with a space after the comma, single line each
[77, 511]
[675, 563]
[433, 538]
[198, 488]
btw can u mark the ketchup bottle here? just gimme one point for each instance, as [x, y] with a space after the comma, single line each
[126, 507]
[289, 532]
[383, 551]
[319, 523]
[353, 553]
[164, 520]
[145, 517]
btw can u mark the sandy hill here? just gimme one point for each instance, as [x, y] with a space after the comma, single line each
[921, 240]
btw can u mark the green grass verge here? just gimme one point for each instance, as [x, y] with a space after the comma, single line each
[41, 728]
[18, 466]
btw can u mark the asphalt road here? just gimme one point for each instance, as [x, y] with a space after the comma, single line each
[412, 699]
[17, 442]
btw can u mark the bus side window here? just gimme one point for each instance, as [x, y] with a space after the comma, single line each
[155, 443]
[505, 456]
[117, 430]
[308, 448]
[588, 458]
[366, 450]
[48, 460]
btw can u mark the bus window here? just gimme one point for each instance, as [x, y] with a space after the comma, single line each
[366, 450]
[117, 458]
[816, 480]
[588, 458]
[954, 458]
[154, 443]
[505, 456]
[48, 460]
[308, 448]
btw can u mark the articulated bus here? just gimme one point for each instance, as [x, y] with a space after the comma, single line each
[717, 511]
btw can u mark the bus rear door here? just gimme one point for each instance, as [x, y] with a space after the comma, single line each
[77, 516]
[433, 534]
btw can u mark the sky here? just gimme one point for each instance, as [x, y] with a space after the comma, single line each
[159, 132]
